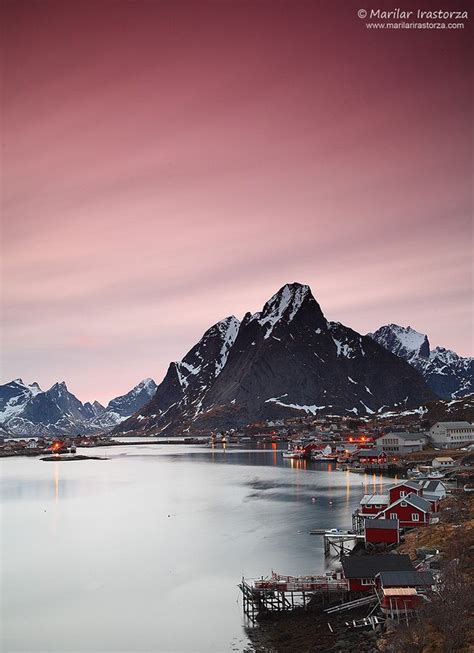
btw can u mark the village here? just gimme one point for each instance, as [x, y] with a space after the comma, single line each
[406, 558]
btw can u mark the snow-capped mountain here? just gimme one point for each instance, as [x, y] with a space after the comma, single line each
[120, 408]
[14, 396]
[447, 374]
[284, 360]
[28, 410]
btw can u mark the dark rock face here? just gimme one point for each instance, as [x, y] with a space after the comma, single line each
[448, 375]
[187, 382]
[286, 360]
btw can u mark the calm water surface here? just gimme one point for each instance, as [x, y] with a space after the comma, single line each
[143, 552]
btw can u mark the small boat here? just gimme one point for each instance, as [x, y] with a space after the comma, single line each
[434, 476]
[293, 454]
[323, 458]
[325, 455]
[358, 470]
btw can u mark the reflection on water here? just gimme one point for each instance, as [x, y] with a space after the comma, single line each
[56, 481]
[114, 555]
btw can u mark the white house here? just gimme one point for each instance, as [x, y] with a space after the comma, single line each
[401, 443]
[443, 461]
[452, 435]
[433, 490]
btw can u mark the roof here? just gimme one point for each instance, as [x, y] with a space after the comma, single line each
[447, 458]
[384, 524]
[407, 578]
[453, 425]
[370, 452]
[405, 436]
[399, 591]
[431, 486]
[418, 502]
[378, 499]
[413, 499]
[370, 566]
[413, 484]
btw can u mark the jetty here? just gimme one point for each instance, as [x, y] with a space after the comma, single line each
[278, 592]
[339, 541]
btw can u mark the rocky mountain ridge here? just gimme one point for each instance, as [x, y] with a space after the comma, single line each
[286, 360]
[449, 375]
[25, 409]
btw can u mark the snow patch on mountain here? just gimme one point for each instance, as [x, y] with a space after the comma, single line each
[229, 329]
[311, 410]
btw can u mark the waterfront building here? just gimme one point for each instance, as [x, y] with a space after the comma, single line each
[401, 443]
[451, 435]
[371, 456]
[360, 571]
[403, 489]
[443, 461]
[372, 504]
[381, 531]
[411, 511]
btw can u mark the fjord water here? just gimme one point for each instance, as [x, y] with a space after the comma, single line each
[144, 551]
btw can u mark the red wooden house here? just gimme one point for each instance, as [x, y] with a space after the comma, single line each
[381, 531]
[411, 511]
[401, 591]
[372, 504]
[403, 489]
[372, 456]
[360, 571]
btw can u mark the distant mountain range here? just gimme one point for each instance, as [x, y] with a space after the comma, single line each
[28, 410]
[287, 360]
[449, 376]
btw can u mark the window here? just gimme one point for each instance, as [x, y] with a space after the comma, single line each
[393, 515]
[415, 516]
[366, 581]
[403, 504]
[402, 493]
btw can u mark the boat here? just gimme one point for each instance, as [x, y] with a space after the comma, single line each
[293, 454]
[434, 476]
[324, 456]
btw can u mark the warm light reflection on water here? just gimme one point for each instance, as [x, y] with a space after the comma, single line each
[56, 481]
[275, 453]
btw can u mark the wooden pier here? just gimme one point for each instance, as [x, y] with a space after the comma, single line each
[340, 544]
[279, 593]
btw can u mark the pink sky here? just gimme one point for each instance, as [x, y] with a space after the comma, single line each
[168, 164]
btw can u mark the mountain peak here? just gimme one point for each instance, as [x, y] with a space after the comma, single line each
[446, 373]
[284, 306]
[405, 342]
[59, 386]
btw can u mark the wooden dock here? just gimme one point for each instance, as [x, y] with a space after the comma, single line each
[279, 593]
[341, 542]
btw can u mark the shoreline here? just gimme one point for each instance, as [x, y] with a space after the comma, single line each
[310, 630]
